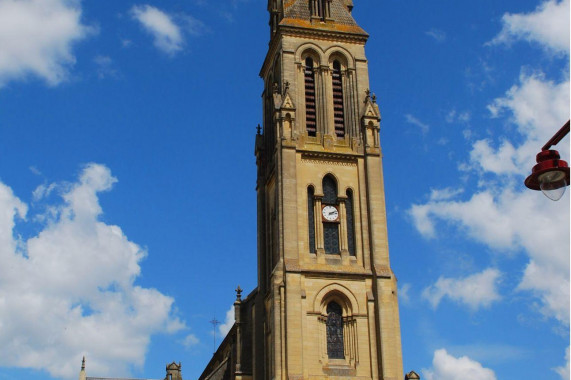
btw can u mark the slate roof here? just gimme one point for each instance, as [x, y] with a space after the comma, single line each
[222, 372]
[297, 13]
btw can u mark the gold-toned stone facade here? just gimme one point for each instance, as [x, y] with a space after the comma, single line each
[281, 329]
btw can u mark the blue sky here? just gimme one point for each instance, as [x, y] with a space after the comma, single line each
[127, 181]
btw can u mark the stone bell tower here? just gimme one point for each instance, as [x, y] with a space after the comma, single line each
[326, 303]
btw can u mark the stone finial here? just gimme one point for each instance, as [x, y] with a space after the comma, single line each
[374, 98]
[275, 87]
[286, 86]
[238, 293]
[83, 364]
[259, 130]
[368, 92]
[412, 376]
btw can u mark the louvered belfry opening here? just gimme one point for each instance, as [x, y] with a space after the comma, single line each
[310, 113]
[338, 113]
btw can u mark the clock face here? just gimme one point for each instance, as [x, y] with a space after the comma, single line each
[330, 213]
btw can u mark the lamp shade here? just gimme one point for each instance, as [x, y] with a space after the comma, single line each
[550, 175]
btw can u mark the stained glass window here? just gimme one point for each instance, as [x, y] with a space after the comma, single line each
[329, 190]
[330, 230]
[310, 219]
[334, 331]
[331, 238]
[350, 223]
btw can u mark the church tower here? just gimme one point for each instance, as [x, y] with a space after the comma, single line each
[326, 304]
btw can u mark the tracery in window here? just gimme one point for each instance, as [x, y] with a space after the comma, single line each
[334, 331]
[310, 110]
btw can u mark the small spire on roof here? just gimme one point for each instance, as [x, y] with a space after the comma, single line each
[82, 375]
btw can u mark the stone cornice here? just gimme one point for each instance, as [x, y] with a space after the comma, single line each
[330, 156]
[323, 34]
[287, 30]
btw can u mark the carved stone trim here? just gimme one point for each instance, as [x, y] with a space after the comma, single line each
[328, 159]
[313, 33]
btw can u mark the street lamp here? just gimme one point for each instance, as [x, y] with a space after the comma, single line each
[551, 174]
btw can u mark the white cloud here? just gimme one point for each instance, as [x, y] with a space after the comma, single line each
[403, 293]
[167, 35]
[455, 116]
[447, 367]
[437, 34]
[70, 290]
[508, 222]
[167, 30]
[414, 121]
[225, 327]
[564, 370]
[190, 340]
[539, 107]
[443, 194]
[104, 66]
[548, 25]
[503, 214]
[477, 290]
[37, 37]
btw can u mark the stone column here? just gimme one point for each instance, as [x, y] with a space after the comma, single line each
[343, 227]
[319, 240]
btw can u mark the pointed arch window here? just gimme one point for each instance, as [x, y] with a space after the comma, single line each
[338, 110]
[349, 207]
[311, 218]
[334, 327]
[330, 230]
[310, 109]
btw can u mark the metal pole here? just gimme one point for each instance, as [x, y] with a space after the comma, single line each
[557, 137]
[214, 322]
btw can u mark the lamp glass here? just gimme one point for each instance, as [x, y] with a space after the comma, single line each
[553, 184]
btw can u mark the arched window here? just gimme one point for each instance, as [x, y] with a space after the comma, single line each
[349, 207]
[330, 229]
[310, 113]
[320, 8]
[311, 218]
[325, 9]
[338, 112]
[335, 331]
